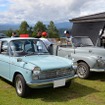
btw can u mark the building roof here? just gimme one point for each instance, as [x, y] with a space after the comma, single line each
[89, 18]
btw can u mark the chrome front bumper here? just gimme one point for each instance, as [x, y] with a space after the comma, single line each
[50, 82]
[98, 70]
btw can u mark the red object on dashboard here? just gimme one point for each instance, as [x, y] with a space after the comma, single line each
[24, 35]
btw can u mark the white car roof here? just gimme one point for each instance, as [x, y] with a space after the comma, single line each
[16, 38]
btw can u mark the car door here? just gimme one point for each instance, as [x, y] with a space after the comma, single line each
[4, 60]
[65, 50]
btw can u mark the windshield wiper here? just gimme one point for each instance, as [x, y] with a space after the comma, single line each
[42, 53]
[31, 53]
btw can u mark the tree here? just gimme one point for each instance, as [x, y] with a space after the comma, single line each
[30, 31]
[9, 32]
[39, 26]
[24, 28]
[52, 30]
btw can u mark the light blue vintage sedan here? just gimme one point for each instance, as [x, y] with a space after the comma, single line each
[26, 63]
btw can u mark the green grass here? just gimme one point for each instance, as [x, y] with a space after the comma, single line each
[81, 92]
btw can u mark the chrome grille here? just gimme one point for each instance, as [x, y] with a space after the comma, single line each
[55, 73]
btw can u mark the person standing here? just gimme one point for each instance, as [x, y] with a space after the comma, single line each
[14, 34]
[39, 34]
[48, 44]
[68, 36]
[45, 40]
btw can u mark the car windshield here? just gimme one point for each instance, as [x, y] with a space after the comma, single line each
[82, 41]
[27, 47]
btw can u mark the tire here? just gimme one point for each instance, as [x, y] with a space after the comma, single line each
[20, 86]
[83, 70]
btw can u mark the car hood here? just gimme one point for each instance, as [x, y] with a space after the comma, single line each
[93, 50]
[48, 61]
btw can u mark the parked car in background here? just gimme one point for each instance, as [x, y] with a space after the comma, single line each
[2, 35]
[88, 57]
[27, 64]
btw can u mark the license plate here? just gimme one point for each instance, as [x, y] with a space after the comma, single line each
[59, 83]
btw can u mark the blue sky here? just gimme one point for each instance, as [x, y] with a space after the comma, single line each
[4, 5]
[16, 11]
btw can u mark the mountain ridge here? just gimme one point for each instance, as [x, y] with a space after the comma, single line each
[64, 25]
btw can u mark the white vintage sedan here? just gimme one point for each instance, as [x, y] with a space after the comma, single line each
[88, 57]
[27, 64]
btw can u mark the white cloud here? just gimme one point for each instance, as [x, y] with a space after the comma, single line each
[92, 7]
[47, 10]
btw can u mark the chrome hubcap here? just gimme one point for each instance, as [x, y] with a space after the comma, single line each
[19, 86]
[82, 70]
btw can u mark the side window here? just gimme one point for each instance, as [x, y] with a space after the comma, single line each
[41, 47]
[4, 47]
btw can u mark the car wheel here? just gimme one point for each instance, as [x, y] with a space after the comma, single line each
[83, 70]
[20, 85]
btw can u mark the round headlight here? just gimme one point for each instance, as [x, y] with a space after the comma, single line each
[35, 73]
[74, 65]
[99, 59]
